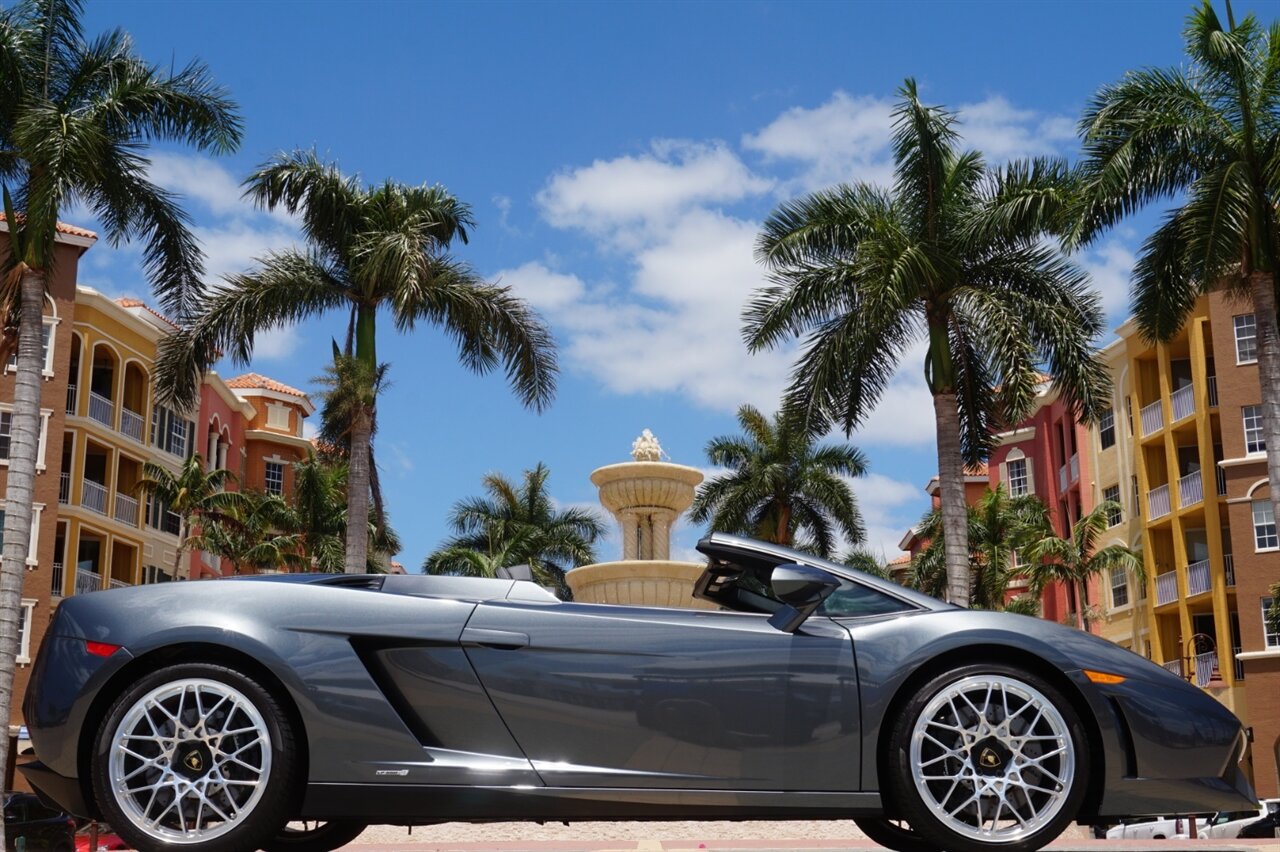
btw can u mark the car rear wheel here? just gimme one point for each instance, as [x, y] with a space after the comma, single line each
[196, 757]
[988, 757]
[314, 836]
[893, 834]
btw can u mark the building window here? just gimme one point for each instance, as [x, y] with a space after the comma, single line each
[1264, 526]
[1270, 629]
[46, 349]
[1114, 513]
[1018, 482]
[1119, 588]
[160, 518]
[1254, 439]
[171, 433]
[25, 614]
[275, 478]
[1128, 413]
[155, 574]
[1246, 338]
[6, 437]
[277, 416]
[1107, 429]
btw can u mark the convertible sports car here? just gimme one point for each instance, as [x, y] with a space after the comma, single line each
[203, 716]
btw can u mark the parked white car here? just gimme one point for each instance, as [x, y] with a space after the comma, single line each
[1156, 828]
[1228, 825]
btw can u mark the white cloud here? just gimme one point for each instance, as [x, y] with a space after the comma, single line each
[889, 508]
[541, 287]
[275, 344]
[1110, 264]
[206, 182]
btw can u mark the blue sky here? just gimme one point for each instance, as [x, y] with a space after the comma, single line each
[619, 158]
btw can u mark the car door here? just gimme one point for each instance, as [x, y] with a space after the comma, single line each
[623, 696]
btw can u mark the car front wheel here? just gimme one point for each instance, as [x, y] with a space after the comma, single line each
[195, 757]
[988, 757]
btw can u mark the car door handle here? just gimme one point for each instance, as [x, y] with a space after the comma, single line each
[508, 640]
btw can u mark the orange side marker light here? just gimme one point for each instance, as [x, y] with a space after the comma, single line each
[1103, 677]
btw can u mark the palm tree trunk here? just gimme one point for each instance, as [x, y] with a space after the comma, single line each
[954, 509]
[782, 535]
[1264, 303]
[1079, 590]
[23, 446]
[358, 468]
[182, 545]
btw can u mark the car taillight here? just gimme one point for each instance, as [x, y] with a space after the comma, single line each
[100, 649]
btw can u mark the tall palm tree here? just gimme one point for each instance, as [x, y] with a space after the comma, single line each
[999, 527]
[370, 250]
[1207, 137]
[517, 525]
[782, 486]
[1076, 560]
[76, 116]
[317, 515]
[197, 496]
[953, 254]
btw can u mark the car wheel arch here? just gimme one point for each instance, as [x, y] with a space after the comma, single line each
[1011, 656]
[191, 652]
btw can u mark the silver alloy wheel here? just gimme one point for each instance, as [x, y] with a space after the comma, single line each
[992, 758]
[190, 760]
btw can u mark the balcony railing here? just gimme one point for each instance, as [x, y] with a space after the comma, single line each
[55, 583]
[1229, 568]
[117, 584]
[1166, 588]
[1190, 490]
[95, 496]
[1152, 418]
[1213, 391]
[1204, 667]
[1220, 474]
[127, 510]
[1157, 502]
[131, 424]
[87, 581]
[102, 409]
[1184, 402]
[1198, 578]
[71, 399]
[1238, 663]
[1062, 478]
[1174, 666]
[1074, 467]
[64, 487]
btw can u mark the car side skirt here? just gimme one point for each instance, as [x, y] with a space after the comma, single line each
[416, 803]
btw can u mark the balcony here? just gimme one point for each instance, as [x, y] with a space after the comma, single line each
[55, 583]
[127, 510]
[1174, 666]
[1190, 490]
[1152, 418]
[95, 496]
[117, 584]
[1184, 402]
[64, 487]
[1238, 663]
[1069, 472]
[102, 409]
[1166, 588]
[1198, 578]
[1229, 568]
[131, 424]
[1158, 502]
[1204, 664]
[1220, 474]
[1213, 391]
[71, 399]
[87, 581]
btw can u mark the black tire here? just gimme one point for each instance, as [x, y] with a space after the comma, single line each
[321, 837]
[1053, 746]
[892, 835]
[254, 715]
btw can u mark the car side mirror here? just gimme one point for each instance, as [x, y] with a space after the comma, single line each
[802, 589]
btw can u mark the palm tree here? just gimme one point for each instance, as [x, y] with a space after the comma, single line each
[999, 527]
[317, 515]
[75, 119]
[255, 534]
[517, 525]
[781, 485]
[197, 496]
[371, 249]
[952, 254]
[1206, 137]
[1076, 560]
[865, 561]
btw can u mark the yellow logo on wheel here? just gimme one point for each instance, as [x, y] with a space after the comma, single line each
[989, 758]
[193, 761]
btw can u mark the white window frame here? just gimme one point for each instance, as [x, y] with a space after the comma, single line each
[1116, 521]
[45, 414]
[50, 326]
[278, 416]
[1123, 575]
[266, 476]
[1264, 541]
[1269, 639]
[27, 613]
[1250, 322]
[1107, 423]
[1253, 414]
[1019, 486]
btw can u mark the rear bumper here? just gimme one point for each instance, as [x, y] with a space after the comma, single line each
[56, 790]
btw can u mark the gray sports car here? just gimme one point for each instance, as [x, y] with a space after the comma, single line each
[204, 716]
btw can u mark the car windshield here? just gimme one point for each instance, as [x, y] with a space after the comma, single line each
[746, 588]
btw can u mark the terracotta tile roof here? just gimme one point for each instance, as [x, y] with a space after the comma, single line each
[64, 228]
[257, 381]
[138, 303]
[904, 559]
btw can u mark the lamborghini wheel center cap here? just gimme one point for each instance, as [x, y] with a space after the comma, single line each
[990, 757]
[193, 760]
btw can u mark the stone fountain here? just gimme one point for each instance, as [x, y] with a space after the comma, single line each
[646, 496]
